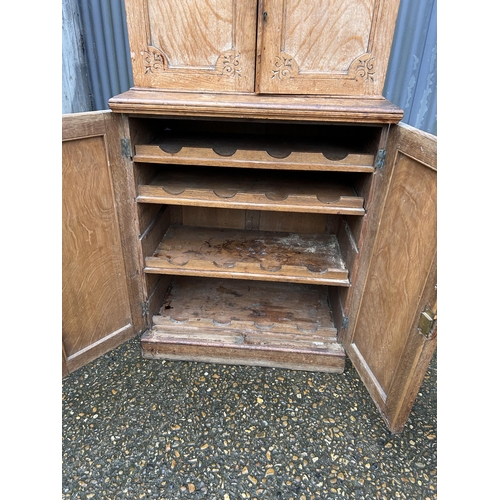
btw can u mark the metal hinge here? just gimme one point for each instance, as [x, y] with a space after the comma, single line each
[380, 160]
[427, 323]
[145, 309]
[126, 149]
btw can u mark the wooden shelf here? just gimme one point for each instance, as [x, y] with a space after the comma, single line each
[255, 151]
[250, 189]
[254, 255]
[246, 322]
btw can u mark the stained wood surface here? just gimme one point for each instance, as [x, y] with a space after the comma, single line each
[398, 278]
[245, 322]
[200, 45]
[265, 255]
[295, 192]
[334, 47]
[258, 152]
[98, 311]
[137, 101]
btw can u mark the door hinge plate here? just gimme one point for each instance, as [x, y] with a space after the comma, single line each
[380, 160]
[427, 323]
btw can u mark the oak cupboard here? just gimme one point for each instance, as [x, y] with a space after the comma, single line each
[229, 225]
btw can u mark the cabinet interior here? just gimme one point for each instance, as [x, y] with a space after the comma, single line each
[249, 211]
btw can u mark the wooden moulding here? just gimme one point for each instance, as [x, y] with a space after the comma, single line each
[255, 255]
[249, 189]
[141, 101]
[246, 322]
[243, 151]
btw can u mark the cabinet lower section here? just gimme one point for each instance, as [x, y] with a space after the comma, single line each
[282, 325]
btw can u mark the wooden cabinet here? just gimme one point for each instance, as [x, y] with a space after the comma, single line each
[326, 47]
[235, 227]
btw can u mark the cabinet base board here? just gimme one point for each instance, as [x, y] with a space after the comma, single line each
[156, 345]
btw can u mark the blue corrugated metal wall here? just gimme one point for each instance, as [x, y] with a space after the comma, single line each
[410, 82]
[412, 72]
[106, 42]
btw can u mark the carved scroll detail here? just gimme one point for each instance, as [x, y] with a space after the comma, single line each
[284, 67]
[228, 64]
[154, 60]
[362, 68]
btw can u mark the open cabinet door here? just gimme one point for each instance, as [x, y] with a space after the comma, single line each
[391, 335]
[101, 287]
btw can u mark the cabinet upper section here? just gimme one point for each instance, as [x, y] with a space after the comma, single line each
[302, 47]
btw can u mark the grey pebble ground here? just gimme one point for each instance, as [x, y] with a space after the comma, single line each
[135, 428]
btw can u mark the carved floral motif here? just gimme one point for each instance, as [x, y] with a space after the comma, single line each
[230, 64]
[284, 67]
[154, 60]
[364, 67]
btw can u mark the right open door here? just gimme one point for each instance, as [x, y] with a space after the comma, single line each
[391, 335]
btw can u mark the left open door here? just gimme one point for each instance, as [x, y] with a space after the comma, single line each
[101, 278]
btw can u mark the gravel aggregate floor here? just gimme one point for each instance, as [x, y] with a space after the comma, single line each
[135, 428]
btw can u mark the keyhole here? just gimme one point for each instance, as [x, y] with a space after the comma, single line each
[265, 16]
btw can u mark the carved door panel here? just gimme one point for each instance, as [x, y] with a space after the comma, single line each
[324, 47]
[101, 282]
[391, 335]
[202, 45]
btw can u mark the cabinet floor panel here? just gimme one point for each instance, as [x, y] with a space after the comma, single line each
[246, 322]
[247, 151]
[254, 255]
[295, 192]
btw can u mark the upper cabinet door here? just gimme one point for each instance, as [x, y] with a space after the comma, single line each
[325, 47]
[391, 335]
[194, 45]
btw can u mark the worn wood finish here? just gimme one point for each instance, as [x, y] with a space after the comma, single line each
[292, 222]
[213, 217]
[290, 153]
[366, 110]
[333, 47]
[101, 279]
[241, 322]
[197, 251]
[398, 278]
[200, 45]
[253, 190]
[155, 230]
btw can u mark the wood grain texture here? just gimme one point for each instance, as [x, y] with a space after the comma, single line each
[231, 150]
[398, 279]
[98, 312]
[276, 256]
[241, 322]
[247, 189]
[325, 47]
[200, 45]
[93, 267]
[252, 106]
